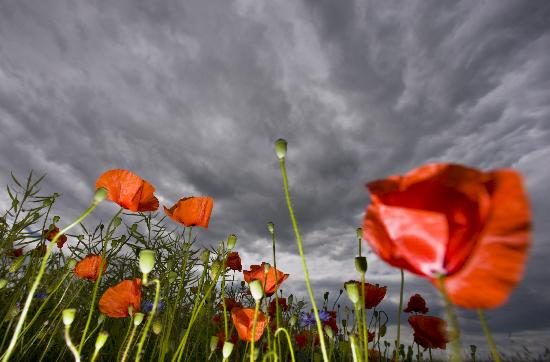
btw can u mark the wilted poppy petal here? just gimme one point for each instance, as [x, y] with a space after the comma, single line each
[497, 263]
[116, 300]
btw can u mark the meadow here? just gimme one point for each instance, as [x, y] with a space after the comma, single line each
[139, 288]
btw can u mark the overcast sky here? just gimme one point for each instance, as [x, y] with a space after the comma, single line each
[191, 95]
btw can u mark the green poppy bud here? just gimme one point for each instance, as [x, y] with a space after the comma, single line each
[157, 327]
[100, 195]
[227, 349]
[101, 339]
[325, 296]
[3, 283]
[71, 263]
[146, 261]
[280, 148]
[271, 228]
[56, 219]
[101, 318]
[68, 316]
[293, 320]
[361, 264]
[328, 331]
[138, 318]
[216, 269]
[205, 256]
[353, 292]
[231, 241]
[290, 299]
[359, 232]
[172, 276]
[213, 343]
[256, 290]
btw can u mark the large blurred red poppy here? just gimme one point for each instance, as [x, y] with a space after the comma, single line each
[473, 227]
[270, 282]
[52, 232]
[191, 211]
[243, 319]
[88, 268]
[429, 332]
[233, 261]
[416, 304]
[116, 300]
[128, 190]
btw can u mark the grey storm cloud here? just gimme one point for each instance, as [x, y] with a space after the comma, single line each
[191, 95]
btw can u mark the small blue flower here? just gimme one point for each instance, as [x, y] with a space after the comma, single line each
[147, 306]
[308, 319]
[40, 295]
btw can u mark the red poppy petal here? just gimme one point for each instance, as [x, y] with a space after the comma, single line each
[497, 263]
[148, 201]
[123, 186]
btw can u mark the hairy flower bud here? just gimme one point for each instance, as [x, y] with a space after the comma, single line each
[280, 148]
[101, 339]
[100, 195]
[231, 241]
[256, 289]
[138, 318]
[227, 349]
[68, 316]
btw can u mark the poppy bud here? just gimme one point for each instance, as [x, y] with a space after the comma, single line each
[13, 312]
[138, 318]
[116, 222]
[256, 289]
[17, 264]
[328, 331]
[71, 263]
[101, 318]
[216, 269]
[101, 339]
[172, 276]
[293, 320]
[353, 292]
[344, 323]
[382, 330]
[280, 148]
[130, 310]
[227, 349]
[3, 283]
[271, 228]
[146, 262]
[231, 241]
[359, 232]
[68, 316]
[205, 256]
[100, 195]
[56, 219]
[325, 296]
[290, 299]
[361, 264]
[157, 327]
[213, 343]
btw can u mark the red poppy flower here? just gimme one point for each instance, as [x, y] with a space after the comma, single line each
[233, 261]
[88, 268]
[374, 293]
[416, 304]
[16, 252]
[371, 335]
[191, 211]
[302, 339]
[230, 303]
[128, 190]
[270, 282]
[116, 300]
[429, 332]
[272, 309]
[471, 226]
[217, 318]
[52, 232]
[243, 319]
[221, 339]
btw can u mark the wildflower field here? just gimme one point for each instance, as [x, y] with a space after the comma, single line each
[138, 288]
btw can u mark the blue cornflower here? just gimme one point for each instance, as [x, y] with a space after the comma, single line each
[40, 295]
[308, 319]
[147, 306]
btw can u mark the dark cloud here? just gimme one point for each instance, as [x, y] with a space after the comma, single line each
[191, 95]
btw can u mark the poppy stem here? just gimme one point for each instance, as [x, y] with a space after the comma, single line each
[277, 343]
[288, 341]
[256, 309]
[98, 279]
[39, 276]
[303, 259]
[223, 292]
[364, 319]
[149, 319]
[488, 334]
[453, 321]
[70, 344]
[127, 348]
[398, 342]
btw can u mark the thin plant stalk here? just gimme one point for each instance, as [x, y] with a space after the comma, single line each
[70, 344]
[398, 342]
[125, 338]
[288, 341]
[149, 319]
[453, 321]
[277, 317]
[303, 260]
[129, 344]
[364, 319]
[488, 334]
[38, 278]
[256, 309]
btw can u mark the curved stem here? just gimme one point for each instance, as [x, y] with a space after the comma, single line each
[398, 342]
[453, 321]
[288, 341]
[303, 260]
[34, 286]
[71, 345]
[487, 332]
[149, 319]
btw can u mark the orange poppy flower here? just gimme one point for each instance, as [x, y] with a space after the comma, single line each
[191, 211]
[233, 261]
[243, 319]
[270, 282]
[429, 332]
[52, 232]
[128, 190]
[473, 227]
[116, 300]
[416, 304]
[373, 293]
[88, 268]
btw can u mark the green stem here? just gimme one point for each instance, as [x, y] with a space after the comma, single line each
[398, 342]
[453, 321]
[125, 338]
[256, 309]
[288, 341]
[488, 334]
[302, 258]
[149, 319]
[127, 349]
[364, 319]
[277, 343]
[43, 265]
[71, 345]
